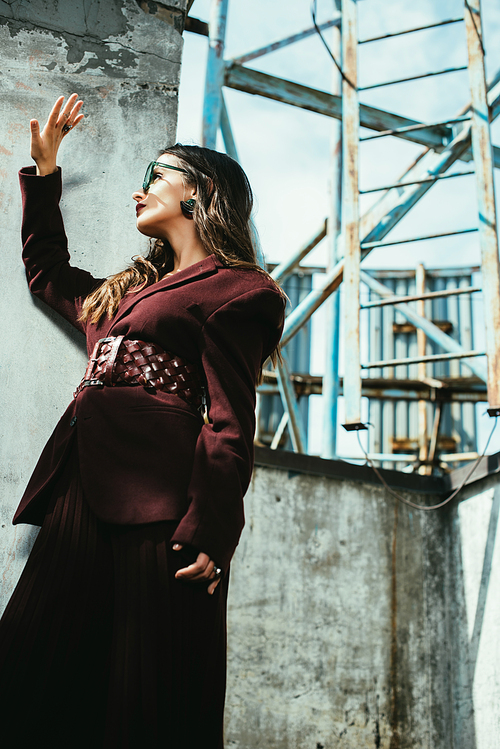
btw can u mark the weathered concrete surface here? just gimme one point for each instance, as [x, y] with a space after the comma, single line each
[474, 632]
[351, 617]
[125, 64]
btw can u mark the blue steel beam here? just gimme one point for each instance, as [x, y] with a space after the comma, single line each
[384, 215]
[394, 204]
[261, 84]
[331, 380]
[231, 150]
[286, 267]
[214, 79]
[294, 94]
[485, 189]
[227, 132]
[290, 404]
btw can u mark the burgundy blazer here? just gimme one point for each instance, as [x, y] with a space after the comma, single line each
[147, 456]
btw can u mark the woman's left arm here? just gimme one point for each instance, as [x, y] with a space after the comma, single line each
[235, 340]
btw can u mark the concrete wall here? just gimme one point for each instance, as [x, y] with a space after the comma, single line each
[125, 64]
[356, 621]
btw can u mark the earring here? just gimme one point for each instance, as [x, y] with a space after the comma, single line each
[187, 207]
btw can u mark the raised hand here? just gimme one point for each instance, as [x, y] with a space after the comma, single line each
[45, 144]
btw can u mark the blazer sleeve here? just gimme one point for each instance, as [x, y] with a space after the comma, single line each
[45, 248]
[235, 340]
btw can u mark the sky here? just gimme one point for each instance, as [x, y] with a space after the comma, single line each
[285, 150]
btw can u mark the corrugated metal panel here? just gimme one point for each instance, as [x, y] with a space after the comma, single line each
[395, 424]
[297, 287]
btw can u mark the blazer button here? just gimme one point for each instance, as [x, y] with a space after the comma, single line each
[73, 421]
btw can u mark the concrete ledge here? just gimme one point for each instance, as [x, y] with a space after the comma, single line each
[313, 465]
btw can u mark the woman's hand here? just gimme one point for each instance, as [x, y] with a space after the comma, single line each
[203, 569]
[45, 144]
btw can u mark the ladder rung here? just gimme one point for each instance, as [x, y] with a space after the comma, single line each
[429, 295]
[415, 182]
[410, 31]
[419, 359]
[381, 243]
[413, 77]
[420, 126]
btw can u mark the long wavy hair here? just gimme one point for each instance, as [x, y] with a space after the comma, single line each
[221, 217]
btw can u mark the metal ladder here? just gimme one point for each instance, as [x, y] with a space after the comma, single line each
[402, 196]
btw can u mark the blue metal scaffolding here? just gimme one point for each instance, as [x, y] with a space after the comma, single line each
[464, 137]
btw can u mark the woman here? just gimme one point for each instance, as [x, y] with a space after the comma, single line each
[115, 634]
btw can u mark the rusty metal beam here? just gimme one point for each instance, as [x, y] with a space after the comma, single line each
[481, 147]
[288, 92]
[350, 216]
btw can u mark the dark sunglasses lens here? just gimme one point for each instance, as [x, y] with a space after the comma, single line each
[149, 175]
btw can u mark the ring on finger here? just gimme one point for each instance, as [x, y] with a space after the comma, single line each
[66, 128]
[217, 571]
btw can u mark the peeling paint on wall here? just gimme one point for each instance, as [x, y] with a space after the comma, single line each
[125, 65]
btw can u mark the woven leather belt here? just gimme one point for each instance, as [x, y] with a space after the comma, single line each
[119, 361]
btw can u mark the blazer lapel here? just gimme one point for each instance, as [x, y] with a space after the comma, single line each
[207, 267]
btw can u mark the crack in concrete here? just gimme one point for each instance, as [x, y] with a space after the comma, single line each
[137, 52]
[28, 25]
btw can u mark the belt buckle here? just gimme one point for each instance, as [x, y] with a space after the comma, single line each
[96, 352]
[89, 383]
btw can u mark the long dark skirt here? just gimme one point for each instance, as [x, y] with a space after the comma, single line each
[100, 647]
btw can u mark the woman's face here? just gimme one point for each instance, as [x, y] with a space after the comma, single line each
[159, 207]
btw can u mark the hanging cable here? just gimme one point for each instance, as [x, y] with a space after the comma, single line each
[424, 507]
[327, 46]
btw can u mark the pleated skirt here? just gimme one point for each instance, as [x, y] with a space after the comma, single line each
[101, 647]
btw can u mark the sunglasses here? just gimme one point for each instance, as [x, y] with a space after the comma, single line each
[149, 176]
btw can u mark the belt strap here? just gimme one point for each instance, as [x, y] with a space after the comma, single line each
[117, 360]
